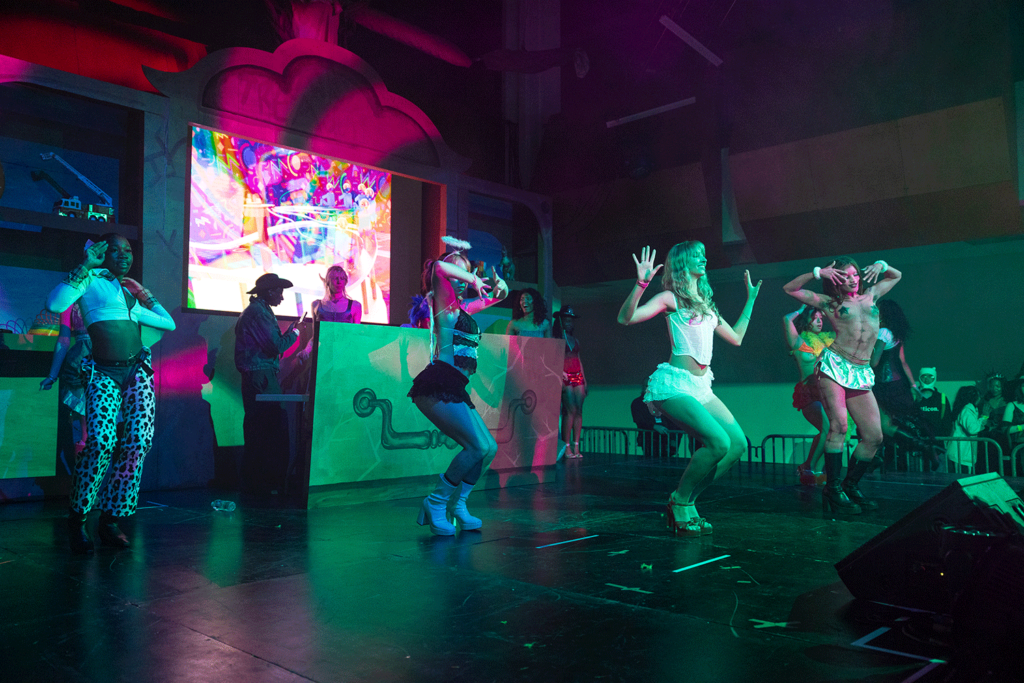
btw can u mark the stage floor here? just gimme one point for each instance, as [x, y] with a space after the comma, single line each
[360, 593]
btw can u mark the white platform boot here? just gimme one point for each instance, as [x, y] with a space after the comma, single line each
[457, 508]
[434, 510]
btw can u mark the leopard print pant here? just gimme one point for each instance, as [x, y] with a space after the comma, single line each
[105, 399]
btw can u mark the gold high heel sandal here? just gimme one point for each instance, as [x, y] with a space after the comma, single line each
[691, 528]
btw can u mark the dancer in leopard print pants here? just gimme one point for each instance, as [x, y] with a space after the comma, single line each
[110, 390]
[119, 382]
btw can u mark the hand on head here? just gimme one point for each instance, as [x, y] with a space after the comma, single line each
[837, 277]
[872, 272]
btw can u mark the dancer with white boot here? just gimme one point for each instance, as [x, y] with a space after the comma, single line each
[439, 391]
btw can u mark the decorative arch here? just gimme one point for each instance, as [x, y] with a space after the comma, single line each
[315, 96]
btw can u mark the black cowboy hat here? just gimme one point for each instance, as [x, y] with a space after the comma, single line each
[566, 312]
[269, 281]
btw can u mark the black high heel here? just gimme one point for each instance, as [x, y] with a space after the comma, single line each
[850, 485]
[834, 500]
[110, 534]
[78, 537]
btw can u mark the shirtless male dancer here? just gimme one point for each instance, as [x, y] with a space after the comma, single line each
[844, 371]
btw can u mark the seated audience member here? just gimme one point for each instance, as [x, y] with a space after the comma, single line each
[993, 405]
[1013, 423]
[963, 455]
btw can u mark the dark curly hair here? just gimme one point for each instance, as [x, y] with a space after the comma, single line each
[540, 307]
[964, 396]
[802, 322]
[893, 317]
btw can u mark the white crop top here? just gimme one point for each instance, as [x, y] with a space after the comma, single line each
[100, 297]
[692, 336]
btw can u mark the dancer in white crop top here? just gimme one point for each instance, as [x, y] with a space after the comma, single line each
[681, 388]
[119, 380]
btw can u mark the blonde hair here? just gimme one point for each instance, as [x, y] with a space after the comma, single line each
[679, 258]
[326, 278]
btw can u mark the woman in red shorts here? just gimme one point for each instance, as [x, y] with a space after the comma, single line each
[574, 383]
[806, 342]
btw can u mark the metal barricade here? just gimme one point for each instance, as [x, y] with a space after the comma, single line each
[1015, 456]
[781, 449]
[649, 443]
[987, 455]
[630, 442]
[792, 448]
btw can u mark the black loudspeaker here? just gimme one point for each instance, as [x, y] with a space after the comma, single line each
[926, 559]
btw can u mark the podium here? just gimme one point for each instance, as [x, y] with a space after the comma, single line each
[368, 436]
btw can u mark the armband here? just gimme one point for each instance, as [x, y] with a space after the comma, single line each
[77, 276]
[147, 299]
[816, 272]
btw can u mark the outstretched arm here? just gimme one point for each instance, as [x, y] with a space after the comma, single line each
[629, 313]
[734, 334]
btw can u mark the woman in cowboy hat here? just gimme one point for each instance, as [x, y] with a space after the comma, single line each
[574, 382]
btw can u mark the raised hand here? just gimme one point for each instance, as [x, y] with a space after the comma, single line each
[645, 268]
[837, 277]
[752, 289]
[872, 272]
[500, 287]
[94, 255]
[480, 285]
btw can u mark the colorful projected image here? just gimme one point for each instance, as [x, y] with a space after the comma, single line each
[257, 208]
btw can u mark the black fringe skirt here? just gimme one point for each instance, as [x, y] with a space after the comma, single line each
[442, 381]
